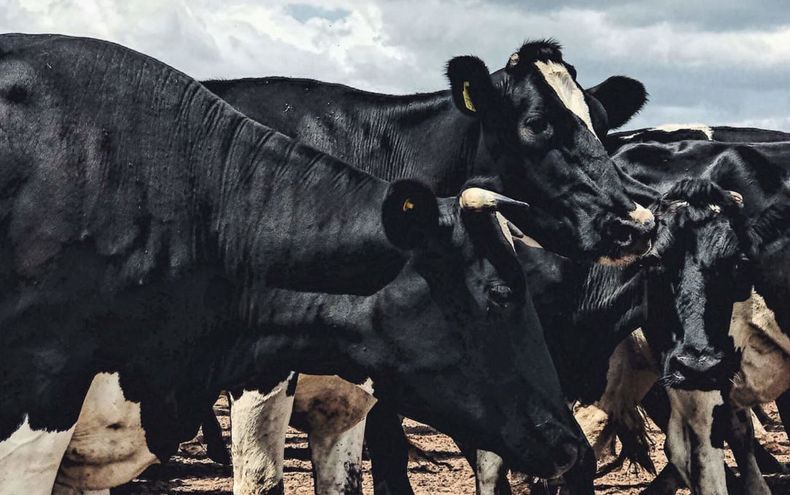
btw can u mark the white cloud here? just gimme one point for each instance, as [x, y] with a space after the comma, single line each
[701, 71]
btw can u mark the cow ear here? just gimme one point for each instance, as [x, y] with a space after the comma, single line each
[621, 97]
[410, 214]
[470, 83]
[772, 225]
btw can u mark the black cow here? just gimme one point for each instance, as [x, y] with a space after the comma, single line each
[529, 124]
[149, 233]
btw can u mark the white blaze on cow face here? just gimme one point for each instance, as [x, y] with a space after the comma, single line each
[561, 81]
[29, 460]
[108, 447]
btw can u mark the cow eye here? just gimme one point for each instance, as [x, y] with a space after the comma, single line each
[536, 125]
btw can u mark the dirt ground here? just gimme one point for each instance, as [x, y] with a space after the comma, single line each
[192, 472]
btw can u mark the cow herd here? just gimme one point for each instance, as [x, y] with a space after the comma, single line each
[489, 260]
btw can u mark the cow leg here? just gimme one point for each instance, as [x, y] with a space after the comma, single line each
[490, 471]
[767, 462]
[690, 445]
[761, 415]
[740, 437]
[783, 406]
[337, 460]
[212, 436]
[669, 480]
[258, 426]
[389, 452]
[491, 474]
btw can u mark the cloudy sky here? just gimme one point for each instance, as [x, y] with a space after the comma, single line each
[711, 61]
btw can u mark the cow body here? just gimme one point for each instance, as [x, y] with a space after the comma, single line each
[159, 247]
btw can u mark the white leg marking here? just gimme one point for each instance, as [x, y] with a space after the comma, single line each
[108, 447]
[688, 443]
[258, 426]
[489, 468]
[337, 460]
[29, 460]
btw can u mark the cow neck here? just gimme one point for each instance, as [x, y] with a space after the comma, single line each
[285, 215]
[614, 297]
[420, 136]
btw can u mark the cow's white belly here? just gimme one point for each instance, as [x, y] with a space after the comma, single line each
[108, 447]
[29, 460]
[765, 354]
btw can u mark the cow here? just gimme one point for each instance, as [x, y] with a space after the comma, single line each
[157, 243]
[758, 170]
[508, 125]
[530, 125]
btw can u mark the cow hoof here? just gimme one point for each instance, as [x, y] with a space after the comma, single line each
[218, 454]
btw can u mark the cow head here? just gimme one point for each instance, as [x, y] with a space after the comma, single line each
[458, 340]
[703, 270]
[541, 134]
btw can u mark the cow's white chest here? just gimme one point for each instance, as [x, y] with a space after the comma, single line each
[29, 460]
[108, 446]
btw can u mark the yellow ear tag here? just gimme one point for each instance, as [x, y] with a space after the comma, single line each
[408, 205]
[468, 98]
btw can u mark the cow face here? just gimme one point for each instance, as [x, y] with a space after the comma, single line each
[703, 271]
[541, 134]
[459, 341]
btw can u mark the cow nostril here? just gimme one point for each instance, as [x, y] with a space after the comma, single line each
[624, 238]
[694, 371]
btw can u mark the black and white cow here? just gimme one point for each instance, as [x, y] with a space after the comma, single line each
[760, 172]
[157, 249]
[529, 125]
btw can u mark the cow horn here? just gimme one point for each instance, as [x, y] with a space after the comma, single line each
[477, 199]
[737, 197]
